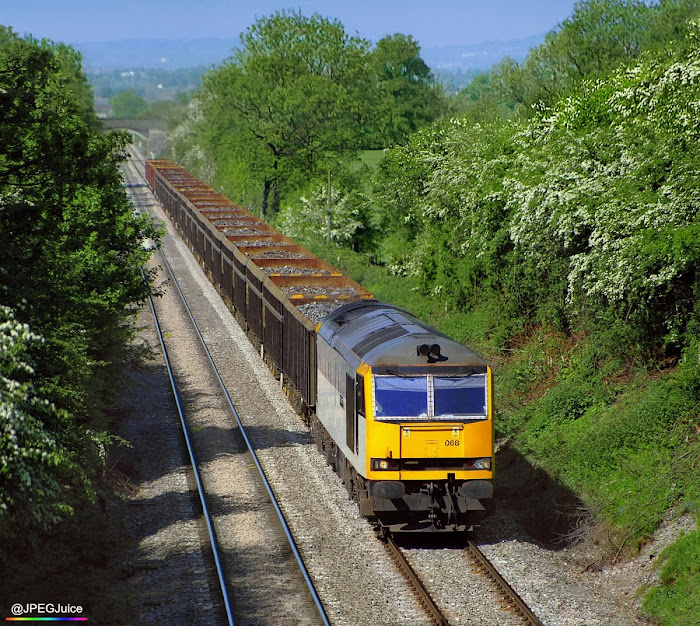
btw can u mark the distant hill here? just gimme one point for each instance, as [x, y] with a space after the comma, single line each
[179, 54]
[165, 54]
[480, 56]
[456, 66]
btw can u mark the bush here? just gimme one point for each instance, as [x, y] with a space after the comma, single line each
[677, 600]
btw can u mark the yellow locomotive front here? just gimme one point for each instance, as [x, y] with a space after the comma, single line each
[408, 415]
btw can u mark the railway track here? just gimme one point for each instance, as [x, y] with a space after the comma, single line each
[424, 597]
[213, 542]
[227, 573]
[507, 593]
[506, 596]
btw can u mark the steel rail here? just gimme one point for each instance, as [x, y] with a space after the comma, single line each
[190, 450]
[515, 601]
[251, 450]
[249, 445]
[193, 462]
[414, 580]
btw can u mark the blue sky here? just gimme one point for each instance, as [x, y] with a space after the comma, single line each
[432, 23]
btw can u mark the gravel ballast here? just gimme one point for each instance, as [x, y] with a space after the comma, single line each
[354, 576]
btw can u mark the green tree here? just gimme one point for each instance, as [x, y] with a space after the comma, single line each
[598, 37]
[486, 98]
[70, 270]
[290, 102]
[169, 111]
[411, 97]
[70, 61]
[348, 219]
[671, 22]
[33, 465]
[586, 211]
[127, 104]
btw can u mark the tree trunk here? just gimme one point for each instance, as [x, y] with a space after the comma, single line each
[265, 196]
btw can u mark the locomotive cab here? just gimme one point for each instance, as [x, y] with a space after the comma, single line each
[416, 440]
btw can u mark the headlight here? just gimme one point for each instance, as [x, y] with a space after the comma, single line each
[384, 465]
[478, 464]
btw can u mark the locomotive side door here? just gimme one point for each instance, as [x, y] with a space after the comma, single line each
[350, 414]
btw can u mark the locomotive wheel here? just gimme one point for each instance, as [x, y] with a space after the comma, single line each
[330, 454]
[316, 433]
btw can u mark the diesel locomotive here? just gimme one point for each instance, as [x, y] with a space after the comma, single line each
[402, 412]
[405, 415]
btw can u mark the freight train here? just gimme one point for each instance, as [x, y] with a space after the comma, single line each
[402, 412]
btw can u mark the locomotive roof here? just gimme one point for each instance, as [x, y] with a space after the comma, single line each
[380, 334]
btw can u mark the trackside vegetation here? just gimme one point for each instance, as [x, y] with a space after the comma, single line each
[548, 216]
[298, 99]
[70, 279]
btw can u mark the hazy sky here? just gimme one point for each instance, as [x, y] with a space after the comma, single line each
[431, 22]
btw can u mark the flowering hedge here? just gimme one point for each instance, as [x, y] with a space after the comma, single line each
[590, 206]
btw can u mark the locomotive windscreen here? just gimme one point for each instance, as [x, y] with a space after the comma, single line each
[429, 397]
[460, 397]
[400, 397]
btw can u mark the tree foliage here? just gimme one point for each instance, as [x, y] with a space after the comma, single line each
[409, 97]
[598, 37]
[300, 97]
[127, 104]
[588, 207]
[33, 464]
[70, 259]
[346, 221]
[289, 102]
